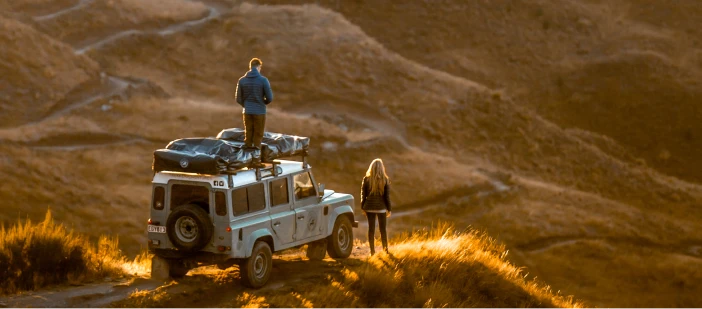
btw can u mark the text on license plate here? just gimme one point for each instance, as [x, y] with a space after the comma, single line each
[156, 229]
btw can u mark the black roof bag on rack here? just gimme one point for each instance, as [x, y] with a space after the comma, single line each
[225, 153]
[274, 145]
[203, 156]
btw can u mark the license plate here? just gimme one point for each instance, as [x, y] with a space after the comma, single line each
[156, 229]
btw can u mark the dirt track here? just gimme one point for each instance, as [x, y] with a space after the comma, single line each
[212, 286]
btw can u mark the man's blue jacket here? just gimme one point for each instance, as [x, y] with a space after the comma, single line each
[253, 92]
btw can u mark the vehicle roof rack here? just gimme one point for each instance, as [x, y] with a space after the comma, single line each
[266, 167]
[274, 165]
[258, 170]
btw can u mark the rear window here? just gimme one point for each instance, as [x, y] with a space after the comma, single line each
[279, 192]
[220, 203]
[189, 194]
[248, 199]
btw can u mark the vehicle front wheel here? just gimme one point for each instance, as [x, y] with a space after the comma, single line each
[256, 270]
[340, 242]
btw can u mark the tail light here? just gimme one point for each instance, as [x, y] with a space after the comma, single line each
[159, 198]
[229, 228]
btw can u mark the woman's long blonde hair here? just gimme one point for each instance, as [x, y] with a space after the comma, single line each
[377, 177]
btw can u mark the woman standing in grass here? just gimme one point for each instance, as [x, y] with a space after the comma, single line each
[375, 201]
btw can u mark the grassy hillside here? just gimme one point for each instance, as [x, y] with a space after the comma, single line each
[566, 129]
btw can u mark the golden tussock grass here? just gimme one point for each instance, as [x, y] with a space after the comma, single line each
[436, 267]
[441, 267]
[36, 255]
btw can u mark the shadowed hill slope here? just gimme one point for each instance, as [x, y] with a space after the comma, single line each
[633, 66]
[31, 84]
[466, 118]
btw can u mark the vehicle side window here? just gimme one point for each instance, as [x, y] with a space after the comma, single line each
[220, 203]
[257, 198]
[248, 199]
[279, 192]
[304, 187]
[240, 204]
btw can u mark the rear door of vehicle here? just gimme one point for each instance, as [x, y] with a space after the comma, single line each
[281, 211]
[307, 209]
[221, 219]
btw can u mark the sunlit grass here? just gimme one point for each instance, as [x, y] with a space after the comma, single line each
[140, 266]
[434, 267]
[36, 255]
[443, 267]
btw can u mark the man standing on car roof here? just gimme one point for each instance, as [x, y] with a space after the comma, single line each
[253, 92]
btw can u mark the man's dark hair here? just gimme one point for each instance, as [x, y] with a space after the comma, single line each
[255, 62]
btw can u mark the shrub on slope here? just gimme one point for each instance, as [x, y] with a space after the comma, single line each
[36, 255]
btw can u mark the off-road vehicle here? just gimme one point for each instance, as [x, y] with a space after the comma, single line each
[240, 217]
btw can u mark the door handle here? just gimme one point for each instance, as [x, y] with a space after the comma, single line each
[300, 217]
[276, 224]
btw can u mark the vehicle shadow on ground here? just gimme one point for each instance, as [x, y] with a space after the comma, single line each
[210, 286]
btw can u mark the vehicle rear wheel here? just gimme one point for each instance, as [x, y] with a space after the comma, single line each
[317, 250]
[189, 228]
[340, 242]
[256, 270]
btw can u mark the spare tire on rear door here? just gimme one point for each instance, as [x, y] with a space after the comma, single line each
[189, 228]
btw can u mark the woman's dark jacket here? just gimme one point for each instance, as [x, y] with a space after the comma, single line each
[374, 201]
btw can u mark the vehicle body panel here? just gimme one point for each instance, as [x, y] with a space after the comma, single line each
[292, 224]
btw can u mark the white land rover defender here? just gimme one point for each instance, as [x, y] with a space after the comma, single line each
[242, 217]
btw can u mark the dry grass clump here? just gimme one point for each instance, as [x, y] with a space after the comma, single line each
[37, 255]
[445, 268]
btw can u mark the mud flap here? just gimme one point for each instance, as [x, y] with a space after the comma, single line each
[317, 250]
[159, 268]
[354, 224]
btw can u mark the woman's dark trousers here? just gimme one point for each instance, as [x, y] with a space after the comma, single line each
[382, 220]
